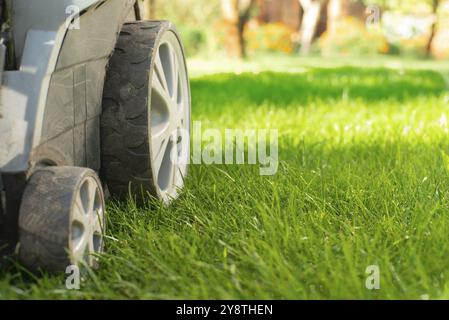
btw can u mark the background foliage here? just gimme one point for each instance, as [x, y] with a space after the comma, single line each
[210, 28]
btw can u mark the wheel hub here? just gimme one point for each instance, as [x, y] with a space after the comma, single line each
[170, 118]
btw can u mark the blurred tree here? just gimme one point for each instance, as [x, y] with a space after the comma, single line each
[147, 9]
[288, 12]
[313, 11]
[323, 19]
[335, 12]
[236, 13]
[152, 9]
[339, 9]
[433, 29]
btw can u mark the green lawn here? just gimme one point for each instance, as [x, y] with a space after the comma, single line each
[363, 180]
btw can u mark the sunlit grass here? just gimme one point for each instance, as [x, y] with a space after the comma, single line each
[292, 64]
[363, 180]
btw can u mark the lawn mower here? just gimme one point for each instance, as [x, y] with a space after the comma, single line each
[93, 101]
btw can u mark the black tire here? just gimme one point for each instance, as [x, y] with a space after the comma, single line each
[126, 119]
[46, 216]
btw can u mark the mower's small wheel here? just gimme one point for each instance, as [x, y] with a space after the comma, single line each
[62, 219]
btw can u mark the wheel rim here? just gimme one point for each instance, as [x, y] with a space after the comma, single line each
[170, 118]
[87, 225]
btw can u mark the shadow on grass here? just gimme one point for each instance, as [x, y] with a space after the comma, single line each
[371, 85]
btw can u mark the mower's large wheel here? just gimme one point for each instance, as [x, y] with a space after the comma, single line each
[62, 220]
[146, 113]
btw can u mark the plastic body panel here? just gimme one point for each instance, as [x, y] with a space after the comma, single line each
[70, 129]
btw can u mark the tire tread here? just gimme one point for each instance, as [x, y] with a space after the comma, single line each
[125, 123]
